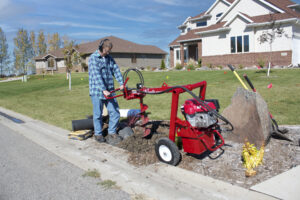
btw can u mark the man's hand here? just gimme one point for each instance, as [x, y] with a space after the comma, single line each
[106, 93]
[121, 87]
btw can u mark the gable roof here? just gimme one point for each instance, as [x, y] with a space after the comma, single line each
[119, 46]
[191, 35]
[285, 5]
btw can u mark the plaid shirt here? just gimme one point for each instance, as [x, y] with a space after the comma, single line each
[101, 73]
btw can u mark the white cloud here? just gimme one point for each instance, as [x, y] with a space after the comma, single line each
[58, 23]
[136, 19]
[7, 28]
[169, 2]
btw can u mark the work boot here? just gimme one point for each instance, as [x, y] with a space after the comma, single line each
[113, 139]
[99, 138]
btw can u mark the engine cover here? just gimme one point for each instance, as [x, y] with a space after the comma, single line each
[197, 115]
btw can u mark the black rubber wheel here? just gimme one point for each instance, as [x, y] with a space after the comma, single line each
[167, 151]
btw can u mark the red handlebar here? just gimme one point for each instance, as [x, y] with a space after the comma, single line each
[124, 91]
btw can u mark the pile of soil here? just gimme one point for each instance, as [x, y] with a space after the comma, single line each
[225, 163]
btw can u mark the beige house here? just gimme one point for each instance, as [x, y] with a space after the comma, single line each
[125, 53]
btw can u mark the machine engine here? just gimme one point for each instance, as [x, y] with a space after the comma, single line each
[197, 115]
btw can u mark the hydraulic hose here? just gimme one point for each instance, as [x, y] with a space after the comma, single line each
[202, 103]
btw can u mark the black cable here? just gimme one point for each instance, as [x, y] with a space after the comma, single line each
[202, 103]
[136, 71]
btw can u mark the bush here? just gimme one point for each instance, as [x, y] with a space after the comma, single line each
[210, 66]
[220, 66]
[241, 66]
[178, 66]
[200, 63]
[261, 63]
[162, 65]
[190, 67]
[148, 68]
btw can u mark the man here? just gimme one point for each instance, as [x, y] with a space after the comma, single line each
[102, 69]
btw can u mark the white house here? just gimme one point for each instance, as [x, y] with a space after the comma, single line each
[229, 31]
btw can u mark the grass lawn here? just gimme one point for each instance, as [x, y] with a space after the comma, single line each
[50, 100]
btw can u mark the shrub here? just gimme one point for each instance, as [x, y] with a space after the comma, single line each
[261, 63]
[148, 68]
[200, 63]
[210, 66]
[220, 66]
[178, 66]
[162, 65]
[190, 67]
[241, 66]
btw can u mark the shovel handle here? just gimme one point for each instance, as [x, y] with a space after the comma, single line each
[249, 82]
[231, 67]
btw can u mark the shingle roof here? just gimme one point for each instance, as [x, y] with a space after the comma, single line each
[119, 46]
[191, 34]
[282, 4]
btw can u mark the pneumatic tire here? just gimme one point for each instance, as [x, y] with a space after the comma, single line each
[167, 151]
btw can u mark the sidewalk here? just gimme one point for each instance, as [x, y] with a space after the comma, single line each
[158, 181]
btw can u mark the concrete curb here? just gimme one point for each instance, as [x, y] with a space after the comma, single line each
[158, 181]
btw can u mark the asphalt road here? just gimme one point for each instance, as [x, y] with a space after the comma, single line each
[28, 171]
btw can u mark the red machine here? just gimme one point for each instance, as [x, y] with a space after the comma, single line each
[199, 131]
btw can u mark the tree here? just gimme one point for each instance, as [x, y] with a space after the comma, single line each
[54, 42]
[273, 31]
[23, 52]
[4, 56]
[71, 58]
[162, 65]
[41, 46]
[34, 48]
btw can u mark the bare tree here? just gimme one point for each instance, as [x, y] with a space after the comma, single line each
[72, 58]
[273, 30]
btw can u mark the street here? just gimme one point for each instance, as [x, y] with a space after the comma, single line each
[28, 171]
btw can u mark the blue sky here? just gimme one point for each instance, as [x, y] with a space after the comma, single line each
[142, 21]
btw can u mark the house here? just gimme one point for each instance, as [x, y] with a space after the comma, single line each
[125, 53]
[229, 32]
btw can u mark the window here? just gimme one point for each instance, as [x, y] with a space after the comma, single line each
[239, 41]
[177, 54]
[203, 23]
[133, 58]
[218, 15]
[246, 43]
[233, 50]
[185, 55]
[239, 44]
[188, 29]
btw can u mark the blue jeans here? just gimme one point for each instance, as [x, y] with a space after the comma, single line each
[113, 112]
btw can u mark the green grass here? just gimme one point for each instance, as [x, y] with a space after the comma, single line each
[108, 184]
[92, 173]
[50, 100]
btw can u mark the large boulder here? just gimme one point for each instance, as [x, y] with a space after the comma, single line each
[250, 117]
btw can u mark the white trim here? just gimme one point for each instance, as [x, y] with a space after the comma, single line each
[214, 31]
[176, 45]
[238, 14]
[293, 6]
[291, 20]
[182, 26]
[189, 40]
[214, 5]
[200, 18]
[49, 55]
[271, 6]
[229, 9]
